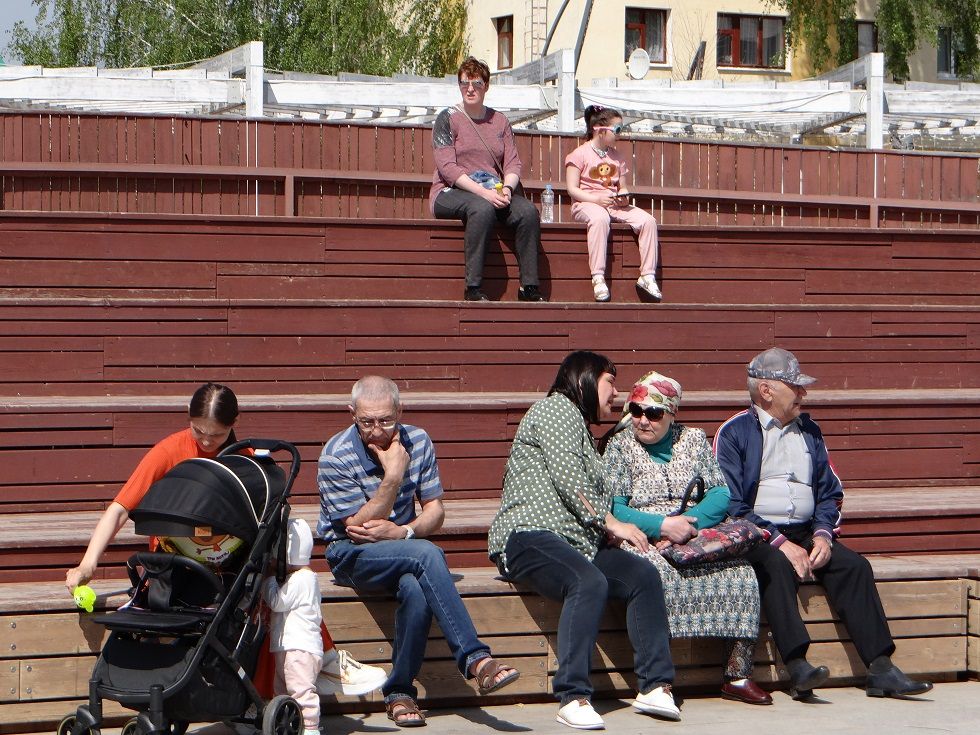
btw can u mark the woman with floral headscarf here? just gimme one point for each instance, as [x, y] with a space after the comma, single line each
[647, 467]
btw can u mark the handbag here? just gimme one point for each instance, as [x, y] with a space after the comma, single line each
[730, 539]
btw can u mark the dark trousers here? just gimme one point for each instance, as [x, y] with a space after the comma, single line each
[546, 563]
[850, 585]
[480, 217]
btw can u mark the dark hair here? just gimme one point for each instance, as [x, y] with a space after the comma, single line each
[596, 115]
[473, 67]
[578, 380]
[217, 402]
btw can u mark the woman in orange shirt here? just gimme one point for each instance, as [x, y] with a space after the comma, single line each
[213, 412]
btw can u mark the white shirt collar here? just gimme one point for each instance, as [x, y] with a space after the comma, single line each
[769, 421]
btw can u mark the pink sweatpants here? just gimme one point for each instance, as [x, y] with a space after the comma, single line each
[296, 673]
[598, 220]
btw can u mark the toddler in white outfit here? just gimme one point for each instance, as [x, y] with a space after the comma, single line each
[296, 640]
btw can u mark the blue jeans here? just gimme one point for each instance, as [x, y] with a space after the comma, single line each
[415, 571]
[549, 565]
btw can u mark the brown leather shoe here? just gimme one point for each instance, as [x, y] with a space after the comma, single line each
[748, 691]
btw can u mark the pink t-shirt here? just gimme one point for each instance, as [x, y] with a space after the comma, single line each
[598, 173]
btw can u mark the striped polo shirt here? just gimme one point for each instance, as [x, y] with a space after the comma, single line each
[348, 476]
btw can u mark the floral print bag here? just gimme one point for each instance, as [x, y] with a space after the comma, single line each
[731, 538]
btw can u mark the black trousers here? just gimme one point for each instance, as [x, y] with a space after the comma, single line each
[479, 217]
[849, 583]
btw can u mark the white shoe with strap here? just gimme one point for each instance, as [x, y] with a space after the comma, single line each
[599, 287]
[648, 283]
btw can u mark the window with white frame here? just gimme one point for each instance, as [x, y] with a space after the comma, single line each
[646, 28]
[505, 41]
[755, 41]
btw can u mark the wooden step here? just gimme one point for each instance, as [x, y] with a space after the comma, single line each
[47, 648]
[110, 256]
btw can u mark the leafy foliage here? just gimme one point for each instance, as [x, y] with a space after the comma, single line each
[316, 36]
[902, 26]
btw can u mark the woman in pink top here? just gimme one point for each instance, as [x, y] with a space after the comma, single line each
[478, 180]
[595, 178]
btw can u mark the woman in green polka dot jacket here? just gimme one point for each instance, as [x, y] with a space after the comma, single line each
[556, 534]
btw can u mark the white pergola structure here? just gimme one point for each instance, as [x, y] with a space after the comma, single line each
[851, 105]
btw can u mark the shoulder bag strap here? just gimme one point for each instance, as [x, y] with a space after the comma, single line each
[497, 164]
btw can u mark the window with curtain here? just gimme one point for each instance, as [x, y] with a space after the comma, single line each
[751, 40]
[647, 29]
[505, 41]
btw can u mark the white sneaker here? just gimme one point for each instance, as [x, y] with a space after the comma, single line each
[649, 284]
[658, 701]
[343, 673]
[599, 288]
[579, 714]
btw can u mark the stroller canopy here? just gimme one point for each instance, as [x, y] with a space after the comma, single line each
[226, 495]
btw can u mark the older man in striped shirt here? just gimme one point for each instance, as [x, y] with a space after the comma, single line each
[369, 478]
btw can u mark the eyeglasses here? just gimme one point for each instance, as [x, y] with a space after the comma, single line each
[615, 129]
[477, 84]
[652, 414]
[368, 424]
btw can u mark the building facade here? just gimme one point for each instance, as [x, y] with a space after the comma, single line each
[735, 40]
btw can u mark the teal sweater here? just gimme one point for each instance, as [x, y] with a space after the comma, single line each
[709, 512]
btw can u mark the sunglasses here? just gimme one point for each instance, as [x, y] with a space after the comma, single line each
[652, 414]
[475, 83]
[615, 129]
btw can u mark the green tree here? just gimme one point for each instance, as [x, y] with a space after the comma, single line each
[316, 36]
[902, 26]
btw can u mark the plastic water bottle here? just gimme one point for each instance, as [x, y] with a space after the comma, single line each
[548, 204]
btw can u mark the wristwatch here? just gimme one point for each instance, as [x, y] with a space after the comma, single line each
[508, 187]
[409, 532]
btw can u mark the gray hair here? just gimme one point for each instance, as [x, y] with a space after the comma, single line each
[753, 384]
[375, 388]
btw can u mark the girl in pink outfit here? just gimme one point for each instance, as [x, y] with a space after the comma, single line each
[595, 175]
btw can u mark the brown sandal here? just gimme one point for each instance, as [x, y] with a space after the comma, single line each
[405, 706]
[486, 676]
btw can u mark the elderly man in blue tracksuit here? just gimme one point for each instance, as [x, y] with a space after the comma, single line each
[781, 479]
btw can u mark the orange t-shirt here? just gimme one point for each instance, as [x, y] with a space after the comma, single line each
[158, 462]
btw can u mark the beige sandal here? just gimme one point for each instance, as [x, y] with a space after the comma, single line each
[400, 708]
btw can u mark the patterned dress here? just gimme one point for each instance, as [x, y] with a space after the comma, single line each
[720, 599]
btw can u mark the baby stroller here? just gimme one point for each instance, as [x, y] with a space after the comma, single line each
[185, 647]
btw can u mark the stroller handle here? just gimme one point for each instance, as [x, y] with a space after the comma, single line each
[271, 446]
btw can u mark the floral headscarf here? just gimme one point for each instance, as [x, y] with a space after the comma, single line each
[656, 390]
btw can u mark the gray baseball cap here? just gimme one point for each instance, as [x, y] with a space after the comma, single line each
[778, 364]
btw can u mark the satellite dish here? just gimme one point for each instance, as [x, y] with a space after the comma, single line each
[638, 64]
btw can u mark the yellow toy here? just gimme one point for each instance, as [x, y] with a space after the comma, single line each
[84, 597]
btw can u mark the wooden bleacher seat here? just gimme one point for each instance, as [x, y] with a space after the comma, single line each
[109, 319]
[47, 648]
[64, 255]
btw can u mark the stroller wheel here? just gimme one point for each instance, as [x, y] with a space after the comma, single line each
[282, 716]
[67, 725]
[131, 728]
